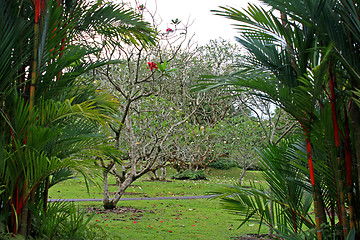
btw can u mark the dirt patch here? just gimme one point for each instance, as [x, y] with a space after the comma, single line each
[253, 237]
[126, 193]
[156, 180]
[116, 185]
[118, 210]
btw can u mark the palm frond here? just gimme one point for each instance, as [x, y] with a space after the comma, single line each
[290, 202]
[113, 20]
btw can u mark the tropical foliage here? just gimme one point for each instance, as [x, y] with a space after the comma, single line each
[303, 59]
[49, 117]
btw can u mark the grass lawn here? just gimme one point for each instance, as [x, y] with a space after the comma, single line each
[163, 219]
[77, 189]
[172, 219]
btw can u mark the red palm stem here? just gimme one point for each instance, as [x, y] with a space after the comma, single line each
[342, 212]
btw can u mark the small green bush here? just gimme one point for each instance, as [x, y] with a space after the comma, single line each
[190, 175]
[64, 221]
[223, 164]
[4, 235]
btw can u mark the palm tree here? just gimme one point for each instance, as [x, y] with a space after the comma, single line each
[49, 119]
[308, 49]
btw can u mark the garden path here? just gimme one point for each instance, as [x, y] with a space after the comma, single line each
[133, 199]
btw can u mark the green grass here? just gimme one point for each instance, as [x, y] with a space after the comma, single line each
[173, 219]
[77, 189]
[141, 188]
[164, 219]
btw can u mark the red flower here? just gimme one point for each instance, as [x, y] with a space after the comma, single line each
[134, 221]
[141, 7]
[169, 30]
[170, 231]
[152, 66]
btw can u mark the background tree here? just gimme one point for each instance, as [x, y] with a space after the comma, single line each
[195, 150]
[206, 138]
[147, 117]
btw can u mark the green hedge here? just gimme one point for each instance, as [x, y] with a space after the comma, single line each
[190, 175]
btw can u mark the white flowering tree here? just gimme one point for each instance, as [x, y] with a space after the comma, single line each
[147, 118]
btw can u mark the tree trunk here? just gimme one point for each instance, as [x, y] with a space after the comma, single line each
[156, 174]
[271, 230]
[124, 185]
[106, 200]
[23, 220]
[151, 176]
[355, 123]
[30, 214]
[242, 175]
[314, 191]
[46, 194]
[334, 114]
[348, 164]
[130, 178]
[35, 55]
[116, 175]
[163, 173]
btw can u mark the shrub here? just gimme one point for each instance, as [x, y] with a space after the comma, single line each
[64, 221]
[190, 174]
[223, 164]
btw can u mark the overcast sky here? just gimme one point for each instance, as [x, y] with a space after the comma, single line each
[205, 24]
